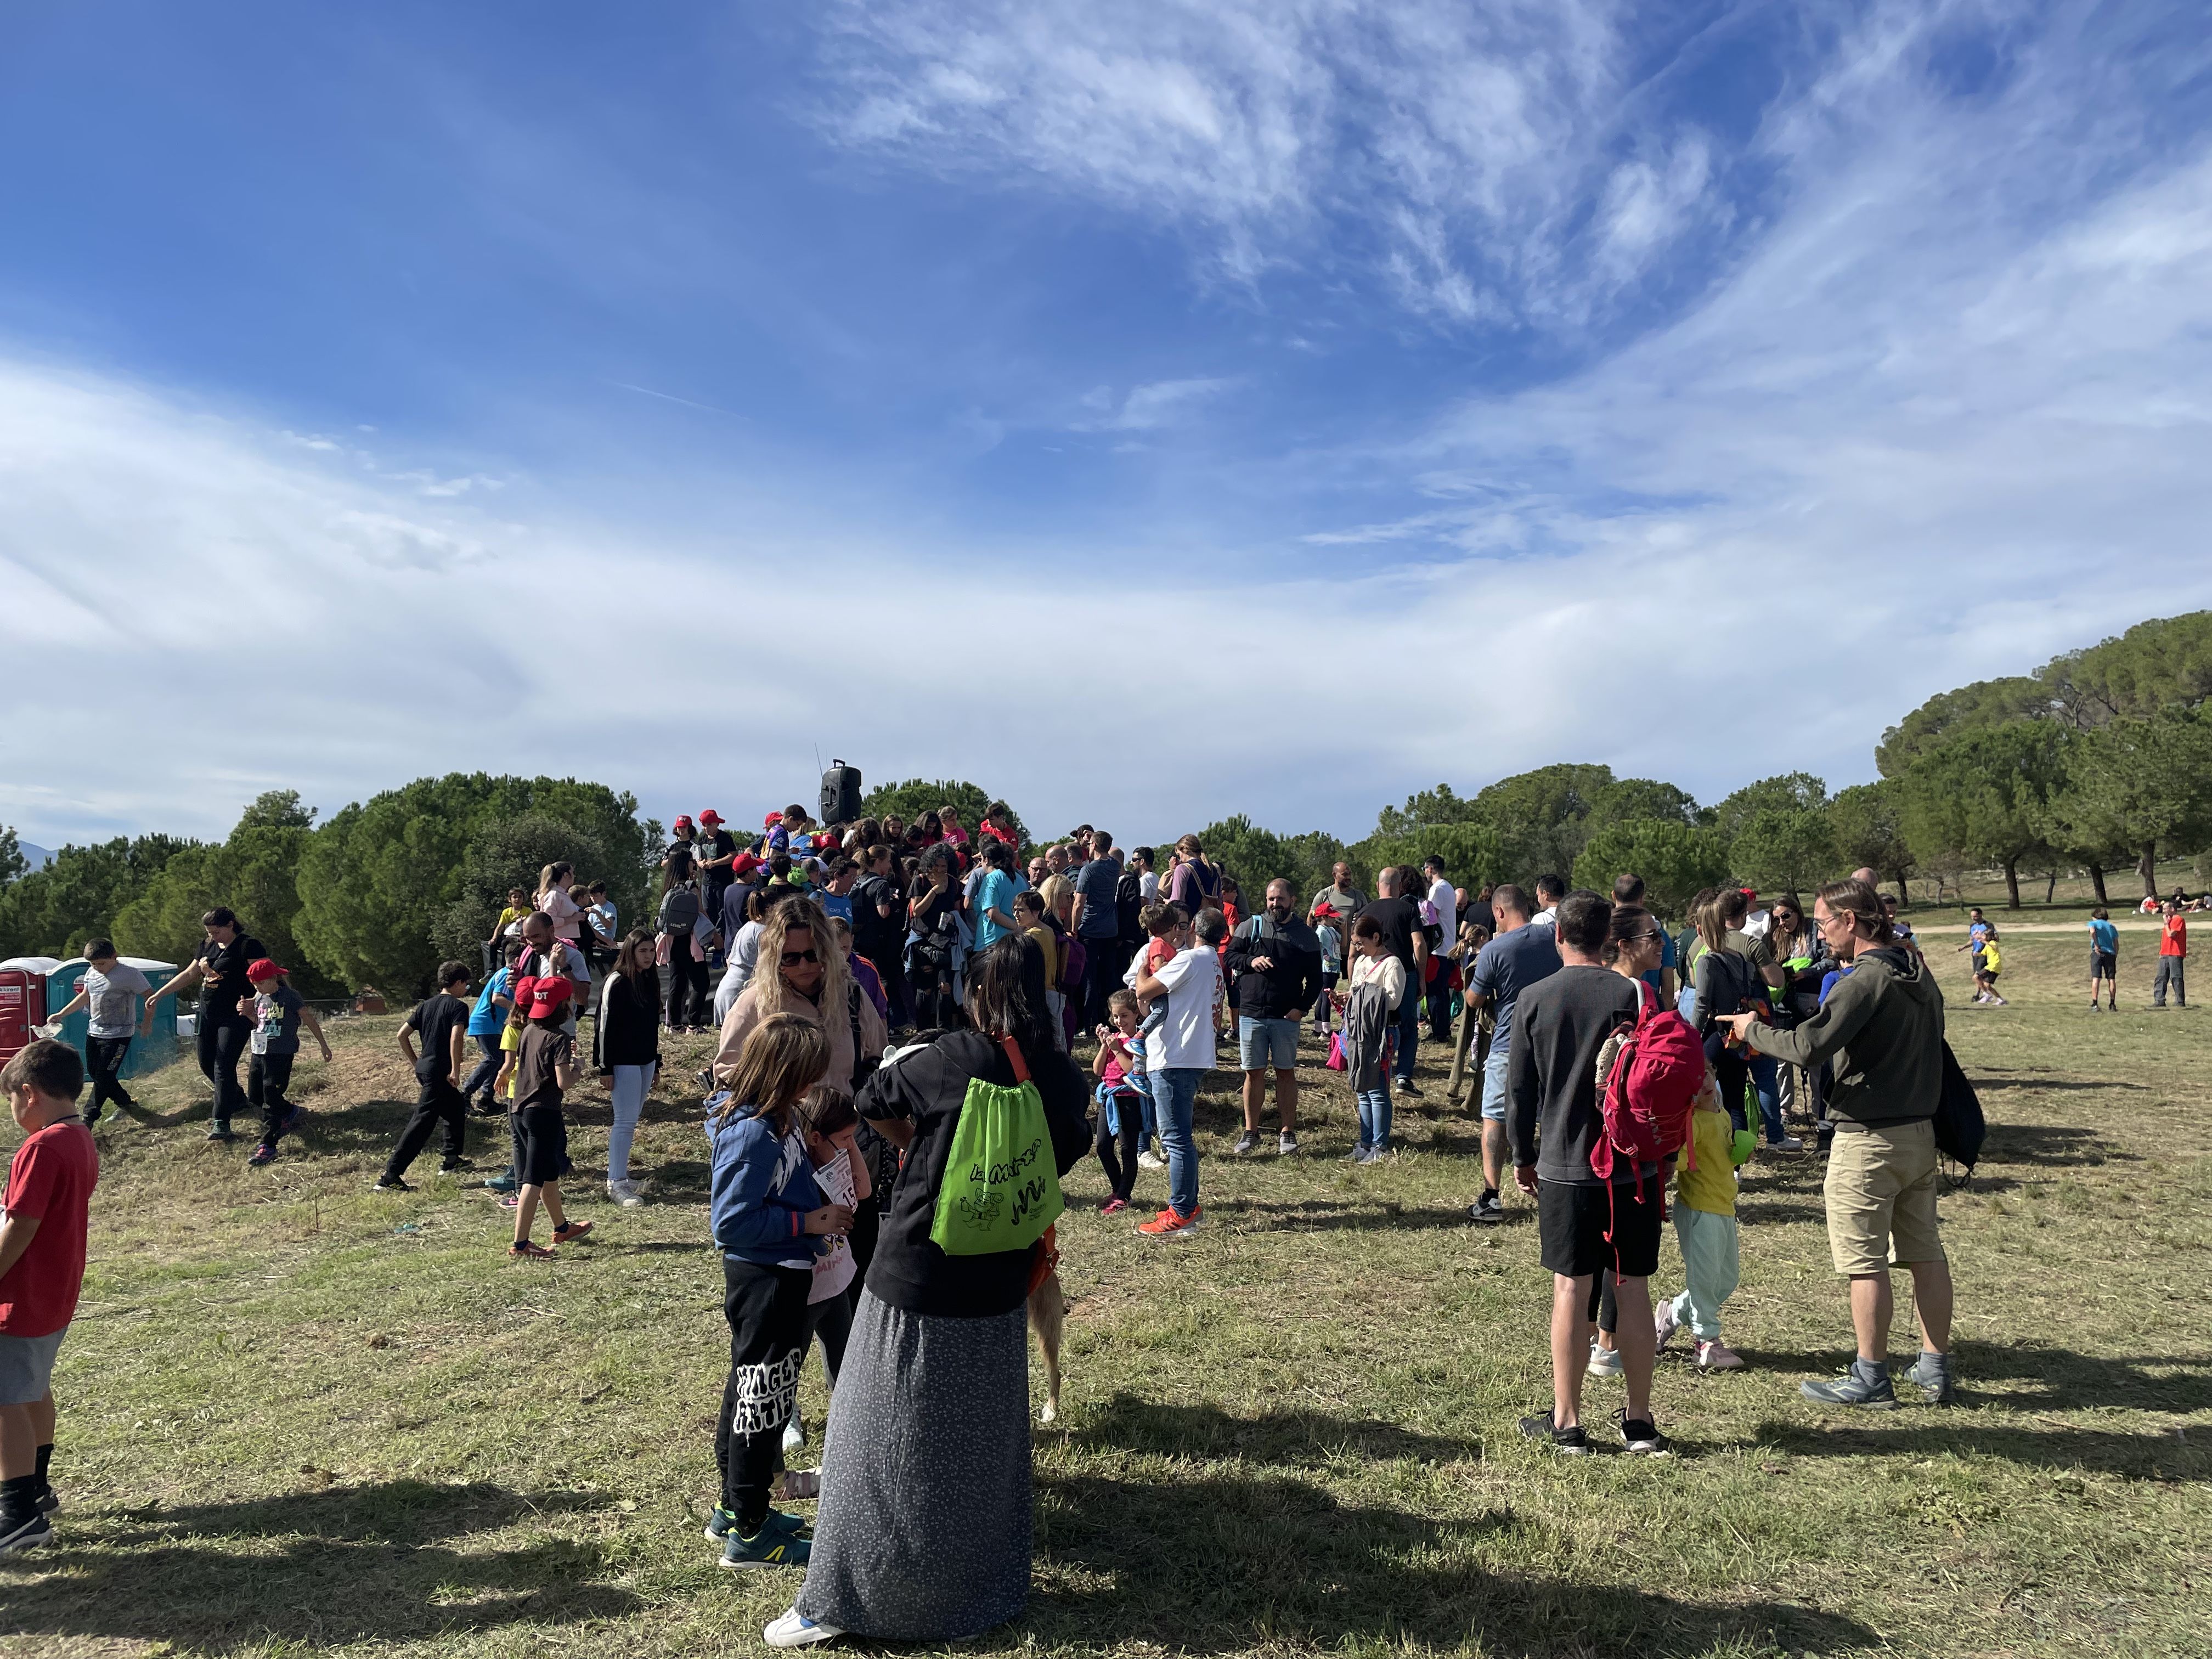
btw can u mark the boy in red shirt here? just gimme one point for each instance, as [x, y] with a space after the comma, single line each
[41, 1267]
[2173, 952]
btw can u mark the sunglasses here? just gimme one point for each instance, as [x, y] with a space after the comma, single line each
[792, 958]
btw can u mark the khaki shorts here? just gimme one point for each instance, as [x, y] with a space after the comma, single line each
[1880, 1192]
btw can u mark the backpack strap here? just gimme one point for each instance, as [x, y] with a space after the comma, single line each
[1014, 1056]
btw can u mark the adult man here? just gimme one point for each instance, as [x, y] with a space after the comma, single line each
[1550, 889]
[1588, 1224]
[1882, 1029]
[991, 913]
[1400, 919]
[1340, 896]
[879, 927]
[1445, 897]
[1274, 975]
[219, 970]
[2173, 955]
[1175, 1053]
[1040, 872]
[1520, 955]
[1148, 878]
[1628, 889]
[1096, 921]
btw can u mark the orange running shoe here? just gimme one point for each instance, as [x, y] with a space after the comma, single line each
[1171, 1223]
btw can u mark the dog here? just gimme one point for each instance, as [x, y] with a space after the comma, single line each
[1048, 1316]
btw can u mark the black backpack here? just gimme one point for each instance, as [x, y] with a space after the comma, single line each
[1960, 1128]
[679, 912]
[1128, 906]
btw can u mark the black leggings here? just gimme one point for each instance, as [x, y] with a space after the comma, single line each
[688, 1003]
[1602, 1307]
[935, 1007]
[103, 1058]
[267, 1077]
[1121, 1172]
[222, 1046]
[1733, 1077]
[766, 1308]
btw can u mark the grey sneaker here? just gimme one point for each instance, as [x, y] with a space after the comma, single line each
[220, 1130]
[1603, 1361]
[1247, 1144]
[1567, 1443]
[1856, 1387]
[1286, 1143]
[1489, 1210]
[1934, 1380]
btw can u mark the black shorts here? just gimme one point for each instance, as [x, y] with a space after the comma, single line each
[540, 1145]
[1572, 1221]
[2103, 964]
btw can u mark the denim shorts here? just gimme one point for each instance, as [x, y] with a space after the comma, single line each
[1264, 1042]
[26, 1366]
[1493, 1085]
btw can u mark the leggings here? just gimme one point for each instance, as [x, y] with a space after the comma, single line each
[222, 1046]
[766, 1308]
[936, 1007]
[687, 987]
[831, 1321]
[1121, 1169]
[267, 1077]
[1602, 1307]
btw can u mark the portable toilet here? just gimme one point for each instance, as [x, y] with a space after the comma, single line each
[150, 1053]
[22, 1001]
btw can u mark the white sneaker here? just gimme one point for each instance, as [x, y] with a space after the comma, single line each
[1285, 1144]
[794, 1432]
[1149, 1159]
[1787, 1144]
[1664, 1325]
[795, 1630]
[626, 1193]
[1604, 1362]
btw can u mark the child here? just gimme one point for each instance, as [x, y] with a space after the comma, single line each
[1162, 925]
[2104, 958]
[832, 1129]
[109, 991]
[545, 1068]
[1118, 1065]
[442, 1021]
[1331, 962]
[769, 1220]
[1988, 966]
[511, 918]
[487, 1021]
[279, 1014]
[1705, 1227]
[1378, 987]
[41, 1268]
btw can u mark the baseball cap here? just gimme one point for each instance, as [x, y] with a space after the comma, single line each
[1325, 910]
[710, 816]
[262, 968]
[542, 996]
[682, 820]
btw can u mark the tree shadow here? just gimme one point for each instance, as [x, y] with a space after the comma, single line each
[1280, 1439]
[2060, 1146]
[377, 1562]
[1329, 1214]
[1276, 1561]
[680, 1180]
[2063, 1379]
[1760, 1213]
[2054, 1085]
[2163, 1457]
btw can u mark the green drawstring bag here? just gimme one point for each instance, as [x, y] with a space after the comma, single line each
[1001, 1188]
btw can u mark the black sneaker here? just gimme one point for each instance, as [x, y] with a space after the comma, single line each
[1489, 1210]
[1567, 1443]
[452, 1165]
[1408, 1087]
[49, 1502]
[28, 1534]
[1853, 1387]
[265, 1153]
[391, 1184]
[220, 1130]
[1642, 1437]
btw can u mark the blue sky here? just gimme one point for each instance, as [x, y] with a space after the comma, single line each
[1153, 412]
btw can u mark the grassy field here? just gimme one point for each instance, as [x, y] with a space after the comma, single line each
[299, 1416]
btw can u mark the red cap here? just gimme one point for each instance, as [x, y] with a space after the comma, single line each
[1326, 910]
[543, 996]
[262, 968]
[710, 816]
[682, 820]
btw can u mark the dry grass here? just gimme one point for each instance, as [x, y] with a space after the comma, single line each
[300, 1416]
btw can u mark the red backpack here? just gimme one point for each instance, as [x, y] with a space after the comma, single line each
[1655, 1078]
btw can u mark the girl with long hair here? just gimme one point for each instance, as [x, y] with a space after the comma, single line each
[628, 1037]
[684, 927]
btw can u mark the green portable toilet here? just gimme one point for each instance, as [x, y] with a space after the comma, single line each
[150, 1053]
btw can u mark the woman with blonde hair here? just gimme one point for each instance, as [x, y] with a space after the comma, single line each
[801, 971]
[568, 916]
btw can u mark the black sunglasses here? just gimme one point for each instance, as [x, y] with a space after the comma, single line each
[792, 958]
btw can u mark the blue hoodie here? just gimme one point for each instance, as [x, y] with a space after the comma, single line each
[763, 1190]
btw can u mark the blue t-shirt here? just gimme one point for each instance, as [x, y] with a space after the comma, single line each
[1508, 965]
[1096, 883]
[1669, 957]
[836, 905]
[2103, 936]
[994, 892]
[487, 1018]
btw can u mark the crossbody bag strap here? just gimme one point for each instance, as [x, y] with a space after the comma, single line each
[1014, 1056]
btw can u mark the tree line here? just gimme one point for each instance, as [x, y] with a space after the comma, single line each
[2101, 760]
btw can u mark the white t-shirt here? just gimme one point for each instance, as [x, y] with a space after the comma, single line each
[1445, 897]
[1186, 1041]
[1148, 886]
[835, 1267]
[112, 1001]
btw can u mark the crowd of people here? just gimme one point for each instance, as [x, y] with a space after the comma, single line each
[901, 1012]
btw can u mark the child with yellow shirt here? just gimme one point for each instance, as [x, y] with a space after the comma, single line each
[1706, 1228]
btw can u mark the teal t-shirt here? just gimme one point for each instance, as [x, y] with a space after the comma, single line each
[2103, 936]
[994, 892]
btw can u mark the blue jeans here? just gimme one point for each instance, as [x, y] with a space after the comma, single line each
[1765, 1082]
[1409, 1027]
[1176, 1095]
[1375, 1117]
[1150, 1131]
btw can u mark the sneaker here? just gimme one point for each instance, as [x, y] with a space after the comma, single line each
[1407, 1086]
[455, 1165]
[794, 1432]
[773, 1546]
[510, 1200]
[722, 1523]
[1642, 1437]
[1853, 1387]
[1567, 1443]
[1489, 1210]
[1604, 1362]
[1936, 1385]
[799, 1484]
[265, 1153]
[795, 1630]
[220, 1130]
[1787, 1144]
[391, 1184]
[504, 1181]
[1247, 1144]
[1114, 1206]
[528, 1251]
[27, 1536]
[626, 1193]
[1664, 1325]
[1713, 1357]
[1285, 1144]
[294, 1119]
[1171, 1223]
[1149, 1159]
[1366, 1154]
[50, 1501]
[569, 1231]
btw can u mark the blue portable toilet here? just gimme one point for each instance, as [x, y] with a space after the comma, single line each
[150, 1053]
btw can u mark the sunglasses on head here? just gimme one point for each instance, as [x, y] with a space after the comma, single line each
[792, 958]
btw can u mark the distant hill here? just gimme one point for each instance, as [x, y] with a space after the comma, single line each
[37, 857]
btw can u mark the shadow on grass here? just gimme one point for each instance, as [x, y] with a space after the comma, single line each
[1922, 1434]
[1329, 1214]
[354, 1564]
[1282, 1439]
[2057, 1144]
[1274, 1561]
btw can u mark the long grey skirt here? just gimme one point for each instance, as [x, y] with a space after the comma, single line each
[923, 1532]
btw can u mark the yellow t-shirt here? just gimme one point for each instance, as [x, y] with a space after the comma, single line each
[508, 915]
[510, 1042]
[1711, 1186]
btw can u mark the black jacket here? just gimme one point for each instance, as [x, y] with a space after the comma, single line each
[929, 1089]
[628, 1030]
[1285, 990]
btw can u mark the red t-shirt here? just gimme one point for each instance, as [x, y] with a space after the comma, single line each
[2174, 941]
[52, 1179]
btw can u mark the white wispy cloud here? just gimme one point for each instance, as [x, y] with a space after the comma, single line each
[1147, 407]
